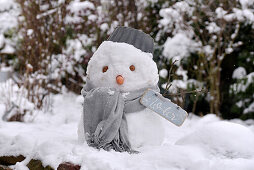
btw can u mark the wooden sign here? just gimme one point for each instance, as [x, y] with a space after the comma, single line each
[164, 107]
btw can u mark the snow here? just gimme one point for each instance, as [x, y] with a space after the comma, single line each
[220, 135]
[6, 69]
[176, 84]
[9, 12]
[8, 49]
[163, 73]
[249, 109]
[180, 84]
[239, 73]
[1, 41]
[246, 3]
[77, 6]
[179, 46]
[201, 143]
[13, 96]
[77, 10]
[244, 84]
[220, 12]
[241, 15]
[229, 50]
[75, 46]
[104, 27]
[152, 135]
[30, 32]
[213, 28]
[178, 19]
[119, 57]
[171, 17]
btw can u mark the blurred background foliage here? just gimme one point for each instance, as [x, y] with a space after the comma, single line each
[202, 46]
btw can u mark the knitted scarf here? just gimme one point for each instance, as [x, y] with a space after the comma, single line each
[104, 112]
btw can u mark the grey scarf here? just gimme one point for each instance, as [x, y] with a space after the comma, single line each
[104, 111]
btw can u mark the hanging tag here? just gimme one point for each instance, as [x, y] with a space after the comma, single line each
[164, 107]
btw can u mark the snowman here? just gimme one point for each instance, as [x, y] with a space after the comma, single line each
[118, 74]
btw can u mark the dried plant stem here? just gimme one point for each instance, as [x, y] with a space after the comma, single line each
[187, 92]
[169, 77]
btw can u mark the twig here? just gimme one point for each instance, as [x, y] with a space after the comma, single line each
[187, 92]
[169, 76]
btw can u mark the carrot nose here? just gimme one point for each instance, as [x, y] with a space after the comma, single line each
[119, 79]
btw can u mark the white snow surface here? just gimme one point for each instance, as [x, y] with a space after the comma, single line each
[201, 143]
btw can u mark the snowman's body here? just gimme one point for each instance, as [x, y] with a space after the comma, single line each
[112, 60]
[145, 128]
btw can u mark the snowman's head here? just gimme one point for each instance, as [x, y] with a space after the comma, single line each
[122, 66]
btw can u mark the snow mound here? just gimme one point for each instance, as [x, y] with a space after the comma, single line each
[223, 139]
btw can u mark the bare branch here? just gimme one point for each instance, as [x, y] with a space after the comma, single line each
[169, 76]
[187, 92]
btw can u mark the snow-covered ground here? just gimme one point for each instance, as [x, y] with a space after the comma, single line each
[201, 143]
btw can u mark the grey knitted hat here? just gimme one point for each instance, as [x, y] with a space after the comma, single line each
[134, 37]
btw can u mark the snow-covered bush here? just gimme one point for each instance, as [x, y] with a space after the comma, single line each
[15, 102]
[9, 12]
[201, 35]
[242, 91]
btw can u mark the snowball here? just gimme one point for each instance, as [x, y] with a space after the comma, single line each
[239, 73]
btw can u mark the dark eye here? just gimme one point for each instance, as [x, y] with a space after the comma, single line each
[104, 69]
[132, 67]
